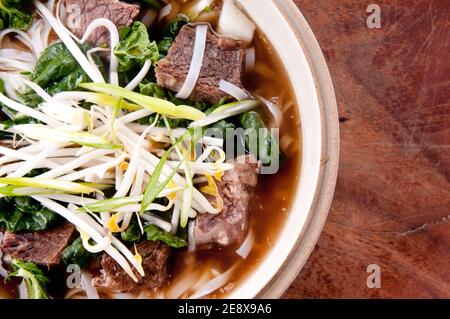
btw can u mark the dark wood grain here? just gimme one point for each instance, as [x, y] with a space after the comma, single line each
[392, 202]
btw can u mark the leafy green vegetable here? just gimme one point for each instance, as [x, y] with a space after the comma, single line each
[133, 233]
[169, 33]
[152, 89]
[255, 130]
[154, 233]
[25, 214]
[14, 15]
[164, 46]
[172, 29]
[35, 279]
[76, 254]
[57, 71]
[135, 48]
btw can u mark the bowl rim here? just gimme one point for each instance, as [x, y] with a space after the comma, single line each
[329, 164]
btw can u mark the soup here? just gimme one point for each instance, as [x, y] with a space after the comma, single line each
[163, 168]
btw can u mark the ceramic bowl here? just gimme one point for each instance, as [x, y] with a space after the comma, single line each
[287, 30]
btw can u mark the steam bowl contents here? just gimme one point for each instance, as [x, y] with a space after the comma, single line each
[149, 149]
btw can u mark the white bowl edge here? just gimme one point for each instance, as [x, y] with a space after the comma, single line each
[300, 74]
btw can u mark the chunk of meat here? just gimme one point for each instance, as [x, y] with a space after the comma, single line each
[42, 248]
[82, 12]
[230, 226]
[154, 262]
[224, 59]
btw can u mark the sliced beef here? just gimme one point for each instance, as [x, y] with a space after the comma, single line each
[154, 261]
[82, 12]
[230, 226]
[224, 60]
[42, 248]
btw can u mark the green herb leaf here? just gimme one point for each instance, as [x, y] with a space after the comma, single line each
[57, 71]
[135, 48]
[25, 214]
[75, 253]
[133, 233]
[154, 233]
[34, 277]
[14, 15]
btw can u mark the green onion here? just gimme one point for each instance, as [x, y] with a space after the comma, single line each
[154, 104]
[189, 189]
[44, 133]
[153, 187]
[113, 121]
[65, 186]
[108, 205]
[14, 191]
[111, 101]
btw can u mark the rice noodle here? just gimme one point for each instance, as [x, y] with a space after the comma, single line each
[149, 17]
[250, 59]
[233, 90]
[246, 246]
[214, 284]
[152, 219]
[191, 236]
[175, 220]
[140, 76]
[274, 109]
[164, 12]
[114, 36]
[23, 290]
[188, 278]
[86, 284]
[60, 30]
[188, 86]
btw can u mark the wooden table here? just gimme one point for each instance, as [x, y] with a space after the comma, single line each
[392, 202]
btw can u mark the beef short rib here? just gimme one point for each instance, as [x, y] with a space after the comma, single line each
[224, 59]
[82, 12]
[42, 248]
[230, 226]
[154, 262]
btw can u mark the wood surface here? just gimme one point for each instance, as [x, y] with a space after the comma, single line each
[392, 202]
